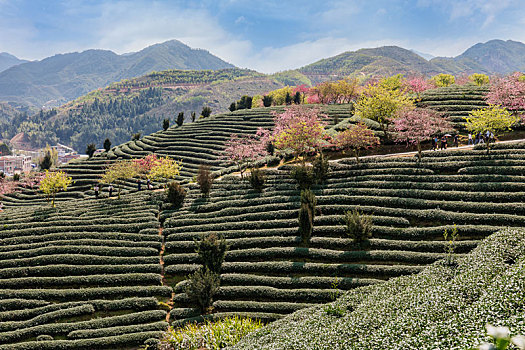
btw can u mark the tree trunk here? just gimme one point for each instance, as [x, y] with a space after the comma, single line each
[53, 201]
[356, 153]
[419, 150]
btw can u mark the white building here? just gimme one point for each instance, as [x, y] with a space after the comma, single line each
[11, 165]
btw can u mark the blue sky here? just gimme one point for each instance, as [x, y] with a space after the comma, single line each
[268, 36]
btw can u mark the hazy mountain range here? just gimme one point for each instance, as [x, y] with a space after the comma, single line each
[28, 86]
[58, 79]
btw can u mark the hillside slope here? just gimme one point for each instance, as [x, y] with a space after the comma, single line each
[140, 105]
[7, 61]
[64, 77]
[268, 271]
[443, 307]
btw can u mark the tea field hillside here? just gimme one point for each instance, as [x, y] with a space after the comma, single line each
[111, 273]
[446, 306]
[268, 270]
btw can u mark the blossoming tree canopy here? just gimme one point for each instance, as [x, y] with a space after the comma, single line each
[416, 85]
[418, 125]
[118, 171]
[494, 119]
[382, 104]
[356, 138]
[164, 168]
[53, 182]
[299, 129]
[508, 92]
[245, 149]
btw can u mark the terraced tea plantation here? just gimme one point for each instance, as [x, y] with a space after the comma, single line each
[201, 142]
[268, 272]
[85, 275]
[455, 101]
[90, 274]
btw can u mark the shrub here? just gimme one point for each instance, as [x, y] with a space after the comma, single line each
[206, 112]
[136, 136]
[358, 225]
[257, 178]
[107, 144]
[44, 337]
[16, 177]
[320, 168]
[175, 193]
[450, 239]
[165, 124]
[211, 250]
[211, 335]
[306, 214]
[202, 286]
[304, 176]
[90, 149]
[204, 179]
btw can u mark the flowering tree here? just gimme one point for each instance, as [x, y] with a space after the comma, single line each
[298, 129]
[144, 165]
[508, 92]
[356, 138]
[243, 150]
[382, 104]
[416, 85]
[418, 125]
[53, 182]
[443, 80]
[479, 79]
[494, 119]
[164, 168]
[119, 171]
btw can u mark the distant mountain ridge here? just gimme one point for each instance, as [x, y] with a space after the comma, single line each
[7, 61]
[492, 57]
[64, 77]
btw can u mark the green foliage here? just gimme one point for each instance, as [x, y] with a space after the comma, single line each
[358, 225]
[443, 80]
[107, 144]
[320, 168]
[175, 194]
[46, 163]
[136, 136]
[232, 107]
[381, 104]
[257, 179]
[206, 112]
[267, 100]
[193, 116]
[90, 149]
[165, 124]
[494, 119]
[216, 334]
[180, 118]
[244, 103]
[202, 287]
[211, 250]
[204, 179]
[306, 215]
[450, 248]
[479, 79]
[304, 176]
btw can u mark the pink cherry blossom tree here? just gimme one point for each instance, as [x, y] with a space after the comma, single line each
[246, 149]
[299, 129]
[356, 138]
[418, 125]
[509, 92]
[416, 85]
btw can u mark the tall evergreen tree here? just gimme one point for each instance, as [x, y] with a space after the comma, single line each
[107, 144]
[165, 124]
[180, 119]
